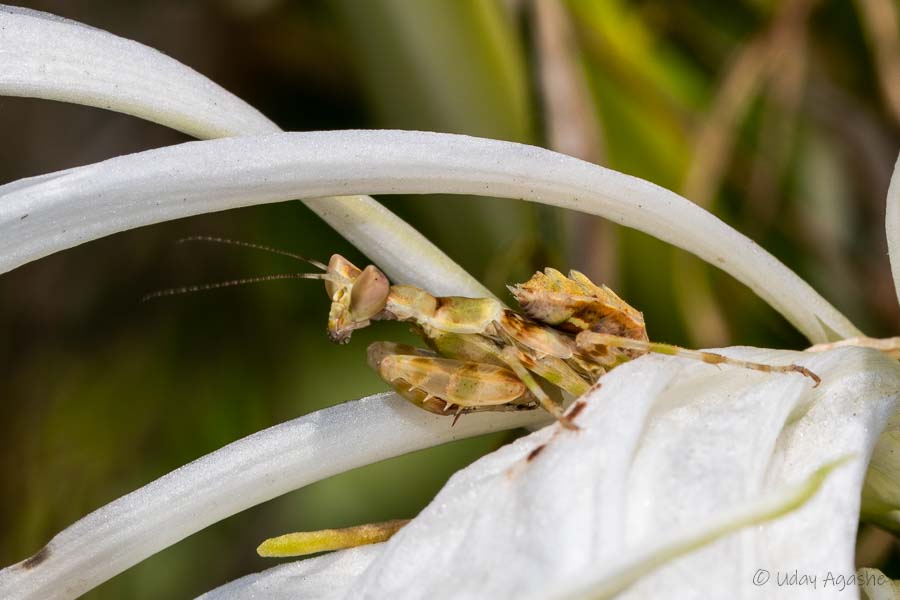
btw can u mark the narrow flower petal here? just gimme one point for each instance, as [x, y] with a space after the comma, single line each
[892, 225]
[64, 209]
[240, 475]
[669, 451]
[875, 585]
[397, 248]
[45, 56]
[881, 491]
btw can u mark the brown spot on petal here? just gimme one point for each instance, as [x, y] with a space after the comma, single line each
[576, 409]
[37, 559]
[534, 453]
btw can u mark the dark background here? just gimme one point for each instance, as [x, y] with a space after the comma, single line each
[780, 117]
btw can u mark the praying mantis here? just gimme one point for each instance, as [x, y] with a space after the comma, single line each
[481, 355]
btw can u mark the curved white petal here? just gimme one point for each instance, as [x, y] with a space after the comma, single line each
[892, 225]
[45, 56]
[234, 478]
[881, 490]
[399, 249]
[668, 448]
[58, 211]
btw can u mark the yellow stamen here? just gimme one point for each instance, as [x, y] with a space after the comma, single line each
[325, 540]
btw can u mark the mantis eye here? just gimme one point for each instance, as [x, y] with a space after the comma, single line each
[369, 294]
[343, 270]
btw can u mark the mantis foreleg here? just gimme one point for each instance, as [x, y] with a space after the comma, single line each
[447, 386]
[511, 357]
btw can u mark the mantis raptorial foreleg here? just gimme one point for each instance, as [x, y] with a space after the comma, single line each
[558, 373]
[511, 356]
[447, 386]
[588, 340]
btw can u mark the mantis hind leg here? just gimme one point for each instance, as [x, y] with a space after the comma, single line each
[589, 340]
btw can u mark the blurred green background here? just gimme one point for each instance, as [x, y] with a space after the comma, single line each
[780, 117]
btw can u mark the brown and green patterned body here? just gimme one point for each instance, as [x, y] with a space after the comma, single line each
[484, 356]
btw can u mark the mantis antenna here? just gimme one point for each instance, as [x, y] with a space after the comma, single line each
[187, 289]
[218, 240]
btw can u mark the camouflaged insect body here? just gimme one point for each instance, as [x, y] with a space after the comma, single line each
[484, 356]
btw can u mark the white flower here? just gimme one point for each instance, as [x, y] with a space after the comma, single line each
[672, 455]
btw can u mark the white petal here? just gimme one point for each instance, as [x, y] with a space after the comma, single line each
[58, 211]
[48, 57]
[668, 448]
[875, 585]
[330, 575]
[400, 250]
[240, 475]
[626, 570]
[45, 56]
[892, 225]
[881, 490]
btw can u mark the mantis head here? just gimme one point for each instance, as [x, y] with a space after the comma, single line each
[356, 295]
